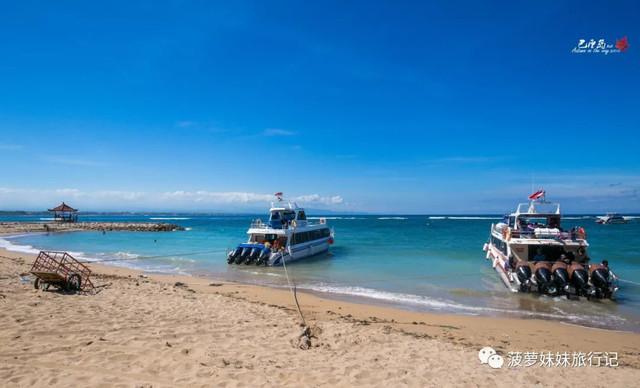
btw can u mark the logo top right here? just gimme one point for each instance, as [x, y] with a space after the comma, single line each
[601, 46]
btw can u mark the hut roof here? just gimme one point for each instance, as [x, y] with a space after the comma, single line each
[63, 207]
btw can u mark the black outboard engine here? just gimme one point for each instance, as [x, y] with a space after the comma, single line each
[523, 273]
[253, 255]
[561, 277]
[580, 280]
[543, 278]
[231, 257]
[600, 281]
[263, 258]
[244, 255]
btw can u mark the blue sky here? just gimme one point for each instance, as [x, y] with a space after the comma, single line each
[391, 107]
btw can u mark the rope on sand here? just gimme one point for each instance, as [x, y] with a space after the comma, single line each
[293, 290]
[304, 338]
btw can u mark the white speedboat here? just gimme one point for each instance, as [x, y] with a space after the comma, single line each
[531, 252]
[286, 237]
[611, 218]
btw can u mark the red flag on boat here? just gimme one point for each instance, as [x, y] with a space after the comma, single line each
[537, 195]
[279, 195]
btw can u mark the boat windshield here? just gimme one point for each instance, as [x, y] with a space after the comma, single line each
[530, 223]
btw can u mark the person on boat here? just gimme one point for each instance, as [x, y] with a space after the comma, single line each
[522, 225]
[539, 256]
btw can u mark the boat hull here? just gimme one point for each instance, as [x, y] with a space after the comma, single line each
[299, 252]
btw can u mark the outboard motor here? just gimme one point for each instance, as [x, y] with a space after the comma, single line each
[231, 257]
[544, 279]
[253, 256]
[600, 280]
[523, 272]
[263, 258]
[561, 278]
[244, 255]
[579, 279]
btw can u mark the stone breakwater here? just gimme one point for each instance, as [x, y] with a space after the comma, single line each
[24, 227]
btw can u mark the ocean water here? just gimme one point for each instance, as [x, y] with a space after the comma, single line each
[424, 263]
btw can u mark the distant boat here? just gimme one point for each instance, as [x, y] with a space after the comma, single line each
[611, 218]
[531, 252]
[286, 237]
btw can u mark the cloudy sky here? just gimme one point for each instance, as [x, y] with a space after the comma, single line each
[388, 107]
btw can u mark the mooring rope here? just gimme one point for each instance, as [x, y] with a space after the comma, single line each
[293, 289]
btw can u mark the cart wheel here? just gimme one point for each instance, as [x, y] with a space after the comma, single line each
[39, 284]
[74, 282]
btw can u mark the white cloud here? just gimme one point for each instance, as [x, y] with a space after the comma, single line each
[278, 132]
[131, 200]
[315, 198]
[216, 197]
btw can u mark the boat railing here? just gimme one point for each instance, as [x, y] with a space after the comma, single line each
[259, 224]
[560, 235]
[532, 235]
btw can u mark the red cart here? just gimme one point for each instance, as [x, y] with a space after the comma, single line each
[62, 270]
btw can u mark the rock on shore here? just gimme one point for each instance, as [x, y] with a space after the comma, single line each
[20, 227]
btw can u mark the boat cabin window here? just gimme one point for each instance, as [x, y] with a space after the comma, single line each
[263, 238]
[302, 216]
[275, 216]
[545, 252]
[512, 222]
[300, 238]
[501, 245]
[289, 215]
[303, 237]
[530, 224]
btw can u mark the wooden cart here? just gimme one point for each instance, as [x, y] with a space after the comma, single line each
[61, 270]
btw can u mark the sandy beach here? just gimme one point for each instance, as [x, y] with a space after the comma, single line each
[157, 330]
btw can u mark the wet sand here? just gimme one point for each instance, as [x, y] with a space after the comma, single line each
[158, 330]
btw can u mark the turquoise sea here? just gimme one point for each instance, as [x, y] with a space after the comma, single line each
[427, 263]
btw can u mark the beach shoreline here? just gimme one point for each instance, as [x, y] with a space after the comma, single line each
[458, 337]
[106, 266]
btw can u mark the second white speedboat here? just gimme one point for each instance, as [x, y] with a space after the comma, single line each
[533, 253]
[611, 218]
